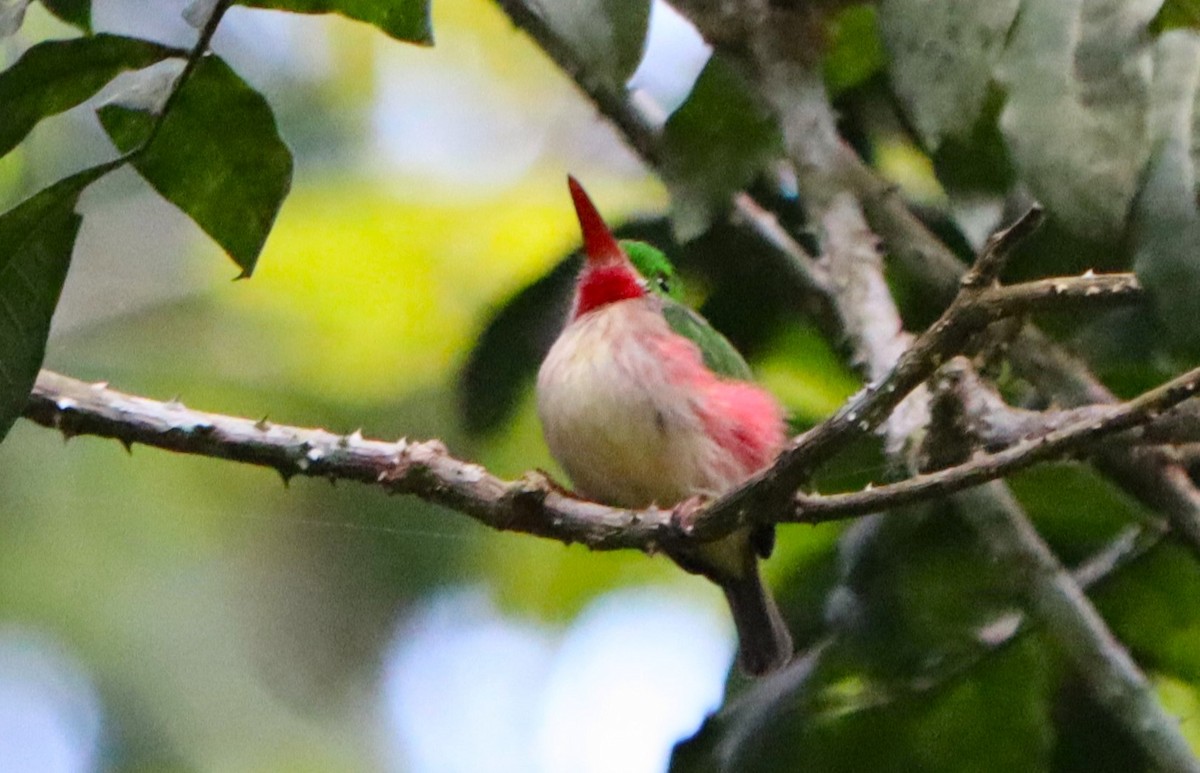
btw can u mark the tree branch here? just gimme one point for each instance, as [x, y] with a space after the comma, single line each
[1150, 476]
[1061, 294]
[869, 317]
[531, 505]
[994, 424]
[1055, 599]
[1155, 475]
[761, 37]
[1071, 439]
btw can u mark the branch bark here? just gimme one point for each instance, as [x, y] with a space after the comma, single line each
[532, 505]
[994, 424]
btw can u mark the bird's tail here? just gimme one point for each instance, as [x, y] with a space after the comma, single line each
[764, 643]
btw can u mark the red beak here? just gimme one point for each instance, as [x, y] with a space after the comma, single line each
[598, 241]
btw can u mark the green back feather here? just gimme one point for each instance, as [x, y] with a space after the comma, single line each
[720, 356]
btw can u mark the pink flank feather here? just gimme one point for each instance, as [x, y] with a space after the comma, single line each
[745, 421]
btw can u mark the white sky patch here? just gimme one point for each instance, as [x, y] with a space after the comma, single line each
[50, 714]
[675, 54]
[198, 12]
[637, 671]
[146, 90]
[462, 688]
[453, 125]
[466, 689]
[262, 45]
[12, 14]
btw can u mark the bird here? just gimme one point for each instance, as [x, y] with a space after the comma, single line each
[643, 403]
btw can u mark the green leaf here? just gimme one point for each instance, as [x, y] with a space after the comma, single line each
[608, 36]
[218, 157]
[855, 52]
[77, 13]
[1166, 227]
[1177, 13]
[406, 20]
[58, 74]
[715, 144]
[1078, 77]
[36, 240]
[1154, 609]
[1076, 510]
[942, 57]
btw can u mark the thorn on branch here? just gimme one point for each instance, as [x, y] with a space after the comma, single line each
[999, 247]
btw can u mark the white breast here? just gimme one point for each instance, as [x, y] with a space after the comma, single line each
[622, 432]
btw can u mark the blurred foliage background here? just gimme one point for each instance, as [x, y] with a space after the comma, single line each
[169, 613]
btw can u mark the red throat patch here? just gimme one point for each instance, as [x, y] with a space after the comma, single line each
[603, 285]
[608, 276]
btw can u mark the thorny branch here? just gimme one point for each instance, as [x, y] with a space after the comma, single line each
[424, 469]
[533, 504]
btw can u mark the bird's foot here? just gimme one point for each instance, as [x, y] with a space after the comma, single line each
[532, 488]
[541, 480]
[685, 514]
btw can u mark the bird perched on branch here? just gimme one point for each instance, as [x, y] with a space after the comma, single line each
[642, 402]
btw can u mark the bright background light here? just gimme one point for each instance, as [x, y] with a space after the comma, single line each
[468, 689]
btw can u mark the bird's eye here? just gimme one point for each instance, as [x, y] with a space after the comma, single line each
[662, 283]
